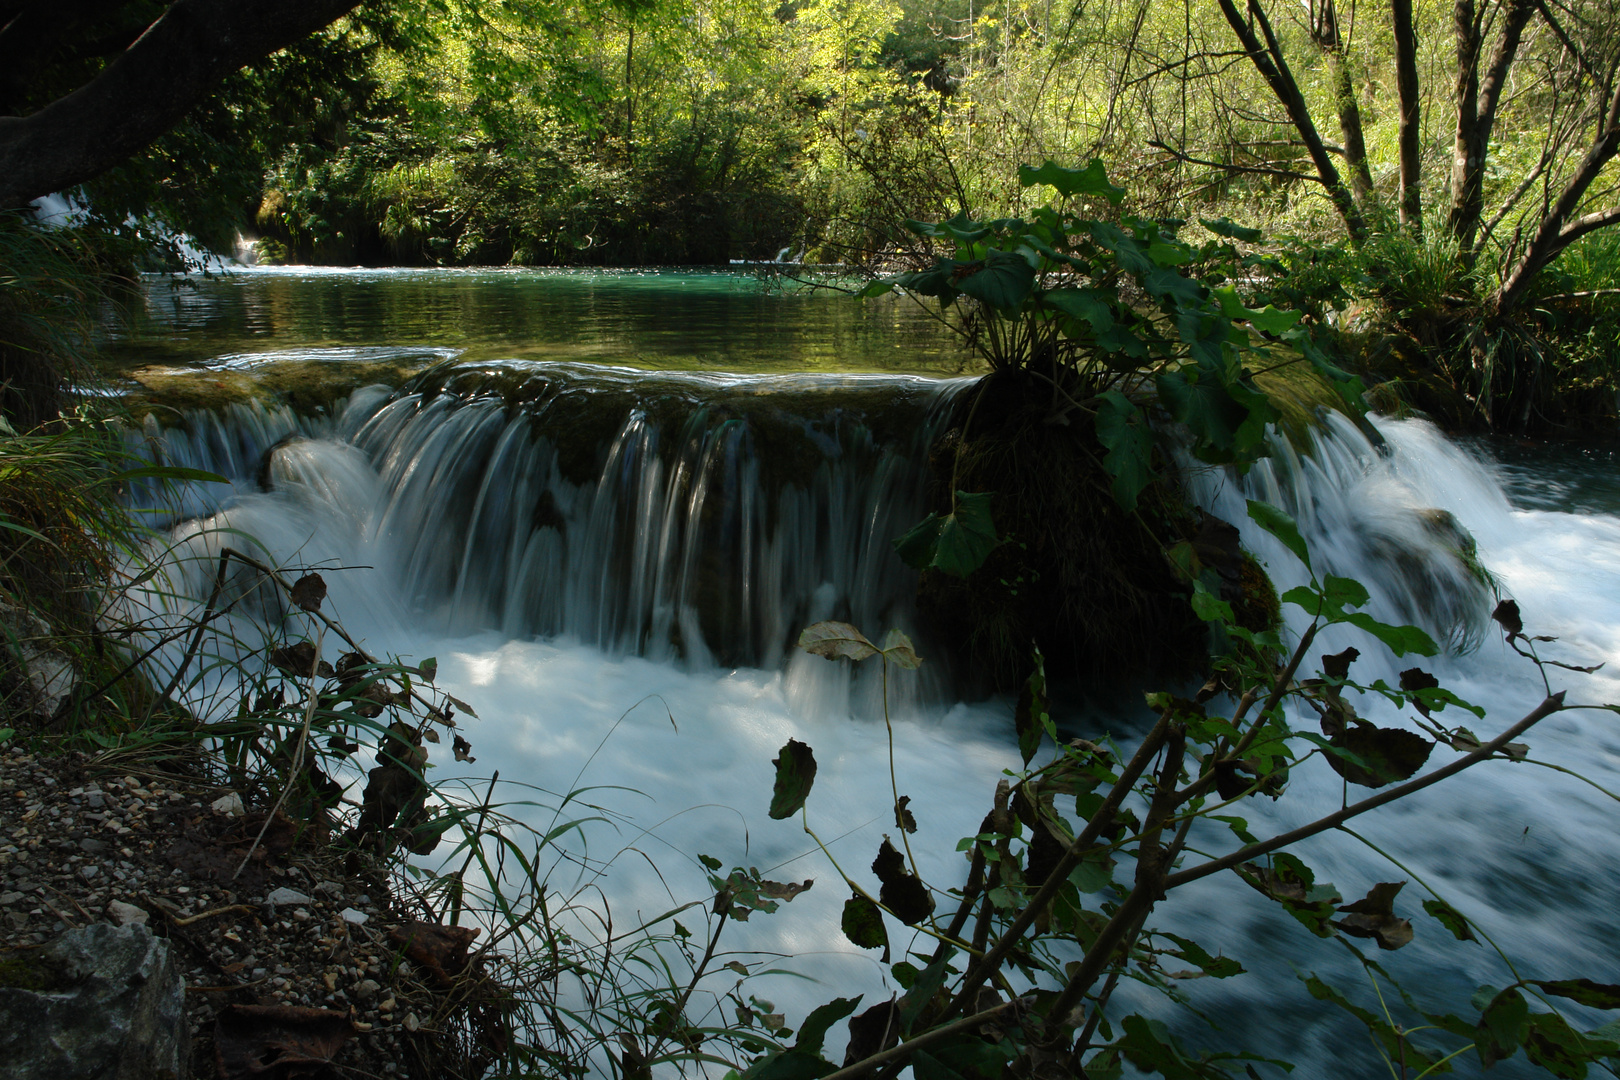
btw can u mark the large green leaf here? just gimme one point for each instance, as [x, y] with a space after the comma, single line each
[814, 1029]
[1091, 180]
[1095, 307]
[1229, 228]
[1200, 400]
[1123, 430]
[1280, 525]
[957, 543]
[1002, 280]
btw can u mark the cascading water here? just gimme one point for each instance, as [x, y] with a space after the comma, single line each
[571, 542]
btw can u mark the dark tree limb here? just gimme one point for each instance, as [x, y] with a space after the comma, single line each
[1411, 130]
[1268, 60]
[1477, 101]
[147, 89]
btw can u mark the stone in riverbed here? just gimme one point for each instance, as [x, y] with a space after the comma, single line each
[102, 1001]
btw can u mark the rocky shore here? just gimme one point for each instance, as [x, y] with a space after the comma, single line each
[297, 962]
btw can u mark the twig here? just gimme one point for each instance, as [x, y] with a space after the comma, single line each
[1549, 706]
[298, 754]
[922, 1042]
[243, 909]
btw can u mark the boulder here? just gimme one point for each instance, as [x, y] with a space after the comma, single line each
[99, 1003]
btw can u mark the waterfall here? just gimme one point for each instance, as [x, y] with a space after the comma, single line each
[612, 567]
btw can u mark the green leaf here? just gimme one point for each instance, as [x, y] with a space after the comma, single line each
[814, 1029]
[1384, 754]
[795, 774]
[1451, 919]
[1400, 639]
[880, 287]
[1091, 180]
[1585, 991]
[169, 472]
[862, 923]
[1002, 281]
[1556, 1047]
[1123, 430]
[1228, 228]
[1095, 307]
[927, 1067]
[1270, 320]
[1280, 525]
[1218, 967]
[1206, 406]
[1031, 718]
[1503, 1027]
[836, 640]
[958, 543]
[1343, 592]
[792, 1064]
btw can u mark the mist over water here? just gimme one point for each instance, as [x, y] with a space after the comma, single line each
[611, 568]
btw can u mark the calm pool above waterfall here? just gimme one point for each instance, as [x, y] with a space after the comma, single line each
[716, 320]
[593, 552]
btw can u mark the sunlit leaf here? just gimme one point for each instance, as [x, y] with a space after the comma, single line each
[1090, 180]
[1280, 525]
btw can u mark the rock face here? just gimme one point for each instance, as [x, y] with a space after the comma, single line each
[37, 678]
[101, 1003]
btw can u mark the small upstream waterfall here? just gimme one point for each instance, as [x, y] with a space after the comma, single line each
[698, 519]
[593, 554]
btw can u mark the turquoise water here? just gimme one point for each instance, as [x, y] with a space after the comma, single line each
[715, 320]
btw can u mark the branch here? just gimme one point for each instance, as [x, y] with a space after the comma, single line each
[1225, 167]
[922, 1042]
[147, 90]
[1332, 821]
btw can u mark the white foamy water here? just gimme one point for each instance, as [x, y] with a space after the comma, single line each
[628, 631]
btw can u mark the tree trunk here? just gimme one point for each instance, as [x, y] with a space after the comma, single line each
[1268, 60]
[147, 89]
[1411, 131]
[1477, 100]
[1355, 144]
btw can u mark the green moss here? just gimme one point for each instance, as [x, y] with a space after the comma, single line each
[29, 970]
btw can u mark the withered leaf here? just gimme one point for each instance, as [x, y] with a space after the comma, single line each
[278, 1042]
[462, 749]
[904, 895]
[430, 735]
[898, 650]
[1337, 666]
[777, 890]
[1373, 916]
[836, 639]
[1417, 679]
[298, 660]
[1508, 617]
[308, 592]
[442, 950]
[1045, 851]
[903, 818]
[795, 775]
[873, 1031]
[1233, 778]
[1389, 753]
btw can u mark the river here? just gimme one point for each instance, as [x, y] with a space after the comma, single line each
[612, 500]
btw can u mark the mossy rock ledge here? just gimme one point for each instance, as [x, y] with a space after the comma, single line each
[1087, 581]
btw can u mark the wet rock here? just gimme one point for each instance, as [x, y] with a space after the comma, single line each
[42, 677]
[103, 1001]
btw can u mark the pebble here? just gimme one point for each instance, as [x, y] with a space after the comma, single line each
[229, 803]
[126, 914]
[366, 989]
[353, 917]
[285, 895]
